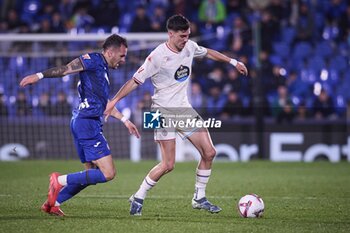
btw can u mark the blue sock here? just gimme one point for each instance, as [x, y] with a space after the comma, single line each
[87, 177]
[69, 191]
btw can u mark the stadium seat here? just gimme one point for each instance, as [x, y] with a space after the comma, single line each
[338, 63]
[316, 63]
[302, 50]
[276, 60]
[282, 49]
[288, 35]
[324, 49]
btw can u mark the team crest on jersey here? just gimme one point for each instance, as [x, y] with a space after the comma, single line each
[182, 73]
[86, 56]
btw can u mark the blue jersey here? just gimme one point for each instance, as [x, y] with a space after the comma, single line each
[93, 87]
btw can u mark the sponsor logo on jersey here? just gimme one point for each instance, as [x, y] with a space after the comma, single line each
[182, 73]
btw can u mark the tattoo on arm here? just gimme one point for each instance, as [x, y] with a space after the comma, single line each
[59, 71]
[55, 72]
[75, 65]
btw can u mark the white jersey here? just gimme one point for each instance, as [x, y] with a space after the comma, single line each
[169, 71]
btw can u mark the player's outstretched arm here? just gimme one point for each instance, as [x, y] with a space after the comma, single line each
[217, 56]
[59, 71]
[128, 87]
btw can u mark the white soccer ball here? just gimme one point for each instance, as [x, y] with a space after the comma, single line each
[251, 206]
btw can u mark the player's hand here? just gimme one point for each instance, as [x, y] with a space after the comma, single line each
[132, 128]
[108, 110]
[30, 79]
[242, 69]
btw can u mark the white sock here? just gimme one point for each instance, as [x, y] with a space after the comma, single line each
[62, 180]
[57, 204]
[202, 178]
[146, 185]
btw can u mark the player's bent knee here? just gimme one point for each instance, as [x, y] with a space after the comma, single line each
[170, 167]
[109, 175]
[210, 154]
[167, 167]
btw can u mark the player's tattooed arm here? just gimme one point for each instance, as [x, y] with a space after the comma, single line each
[60, 71]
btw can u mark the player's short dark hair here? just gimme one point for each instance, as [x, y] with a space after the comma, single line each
[178, 23]
[114, 40]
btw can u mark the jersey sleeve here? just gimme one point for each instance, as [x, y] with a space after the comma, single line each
[199, 51]
[88, 61]
[149, 68]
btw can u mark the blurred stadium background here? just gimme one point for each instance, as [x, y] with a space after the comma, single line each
[294, 106]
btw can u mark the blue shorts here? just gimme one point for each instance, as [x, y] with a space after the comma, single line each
[88, 138]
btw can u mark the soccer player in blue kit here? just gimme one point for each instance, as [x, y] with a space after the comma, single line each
[86, 123]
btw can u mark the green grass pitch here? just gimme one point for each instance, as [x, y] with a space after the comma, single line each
[299, 197]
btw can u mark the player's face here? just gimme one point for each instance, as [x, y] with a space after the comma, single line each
[117, 56]
[179, 39]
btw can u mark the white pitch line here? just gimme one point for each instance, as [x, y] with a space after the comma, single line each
[177, 197]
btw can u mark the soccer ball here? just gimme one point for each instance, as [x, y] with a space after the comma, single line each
[251, 206]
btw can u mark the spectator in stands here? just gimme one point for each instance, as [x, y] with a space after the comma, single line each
[62, 106]
[142, 105]
[233, 83]
[57, 24]
[195, 30]
[278, 76]
[82, 20]
[303, 112]
[66, 9]
[3, 107]
[216, 77]
[198, 99]
[304, 24]
[240, 36]
[279, 12]
[3, 26]
[212, 13]
[294, 12]
[141, 22]
[323, 106]
[13, 21]
[269, 30]
[233, 106]
[266, 72]
[331, 30]
[158, 19]
[335, 10]
[236, 6]
[344, 24]
[107, 14]
[45, 26]
[147, 101]
[22, 105]
[45, 105]
[282, 106]
[296, 86]
[216, 101]
[48, 10]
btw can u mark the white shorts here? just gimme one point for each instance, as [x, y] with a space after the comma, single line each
[181, 122]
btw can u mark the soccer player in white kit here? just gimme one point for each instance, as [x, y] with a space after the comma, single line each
[169, 67]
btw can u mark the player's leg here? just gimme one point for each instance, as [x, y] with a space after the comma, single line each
[91, 146]
[202, 141]
[165, 166]
[69, 191]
